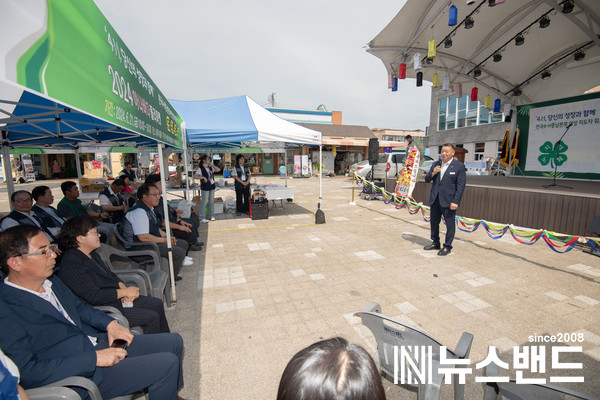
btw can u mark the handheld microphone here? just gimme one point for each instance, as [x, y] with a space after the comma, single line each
[440, 159]
[570, 125]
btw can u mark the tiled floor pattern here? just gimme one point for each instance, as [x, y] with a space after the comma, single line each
[264, 289]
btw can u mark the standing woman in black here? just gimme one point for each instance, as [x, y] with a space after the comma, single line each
[241, 174]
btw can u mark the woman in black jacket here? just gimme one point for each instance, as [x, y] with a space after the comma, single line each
[84, 272]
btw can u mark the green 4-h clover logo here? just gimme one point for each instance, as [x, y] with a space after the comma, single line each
[551, 154]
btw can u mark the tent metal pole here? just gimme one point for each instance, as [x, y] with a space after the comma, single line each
[185, 164]
[285, 164]
[10, 186]
[320, 174]
[78, 167]
[164, 170]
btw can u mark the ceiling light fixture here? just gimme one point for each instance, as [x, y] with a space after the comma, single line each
[546, 75]
[448, 43]
[469, 2]
[469, 23]
[544, 22]
[491, 3]
[497, 57]
[517, 92]
[567, 6]
[519, 40]
[476, 73]
[429, 60]
[578, 56]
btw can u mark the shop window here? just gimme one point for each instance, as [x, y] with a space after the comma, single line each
[479, 149]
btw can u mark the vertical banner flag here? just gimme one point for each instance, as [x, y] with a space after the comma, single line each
[407, 179]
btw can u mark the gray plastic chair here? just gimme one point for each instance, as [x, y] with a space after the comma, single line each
[152, 277]
[514, 391]
[116, 314]
[389, 333]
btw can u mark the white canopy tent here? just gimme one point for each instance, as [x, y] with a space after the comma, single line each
[516, 78]
[239, 122]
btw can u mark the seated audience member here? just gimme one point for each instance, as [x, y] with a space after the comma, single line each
[9, 380]
[84, 272]
[128, 193]
[51, 334]
[112, 202]
[71, 206]
[47, 214]
[331, 369]
[127, 188]
[182, 228]
[142, 225]
[22, 204]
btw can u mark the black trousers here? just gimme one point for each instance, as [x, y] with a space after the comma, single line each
[149, 313]
[153, 362]
[435, 212]
[245, 194]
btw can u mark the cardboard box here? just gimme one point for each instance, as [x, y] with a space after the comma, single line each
[256, 170]
[259, 210]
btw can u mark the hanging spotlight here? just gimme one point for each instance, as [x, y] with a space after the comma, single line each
[579, 55]
[567, 6]
[429, 60]
[519, 40]
[476, 73]
[544, 22]
[469, 23]
[469, 2]
[546, 75]
[448, 43]
[497, 57]
[491, 3]
[517, 92]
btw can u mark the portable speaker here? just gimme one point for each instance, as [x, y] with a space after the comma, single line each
[373, 150]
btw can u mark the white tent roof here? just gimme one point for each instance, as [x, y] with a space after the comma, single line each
[494, 30]
[236, 120]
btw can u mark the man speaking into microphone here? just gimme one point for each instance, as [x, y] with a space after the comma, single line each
[449, 179]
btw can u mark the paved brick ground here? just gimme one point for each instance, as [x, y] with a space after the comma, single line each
[262, 290]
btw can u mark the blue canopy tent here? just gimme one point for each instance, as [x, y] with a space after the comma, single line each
[67, 79]
[237, 122]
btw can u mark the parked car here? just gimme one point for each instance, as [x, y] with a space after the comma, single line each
[362, 168]
[390, 164]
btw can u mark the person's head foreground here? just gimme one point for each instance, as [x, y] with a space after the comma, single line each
[331, 369]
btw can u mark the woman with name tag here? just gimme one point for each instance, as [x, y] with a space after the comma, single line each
[206, 174]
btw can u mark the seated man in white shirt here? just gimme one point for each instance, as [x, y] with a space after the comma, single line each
[141, 224]
[46, 214]
[112, 202]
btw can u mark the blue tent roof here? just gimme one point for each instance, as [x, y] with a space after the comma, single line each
[37, 121]
[236, 120]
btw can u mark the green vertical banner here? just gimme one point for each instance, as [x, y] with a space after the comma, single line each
[78, 59]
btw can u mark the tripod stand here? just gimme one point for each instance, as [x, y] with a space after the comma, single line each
[554, 184]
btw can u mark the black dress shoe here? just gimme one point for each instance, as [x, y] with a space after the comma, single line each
[195, 247]
[444, 251]
[178, 278]
[432, 246]
[199, 243]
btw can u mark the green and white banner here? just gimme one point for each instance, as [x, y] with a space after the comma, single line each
[66, 50]
[543, 125]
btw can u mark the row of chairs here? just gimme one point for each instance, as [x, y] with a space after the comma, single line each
[390, 333]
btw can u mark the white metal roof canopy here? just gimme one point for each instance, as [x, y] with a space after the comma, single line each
[494, 31]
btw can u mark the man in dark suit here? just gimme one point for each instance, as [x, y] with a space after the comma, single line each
[449, 179]
[51, 334]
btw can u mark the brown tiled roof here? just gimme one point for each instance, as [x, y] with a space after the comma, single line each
[355, 131]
